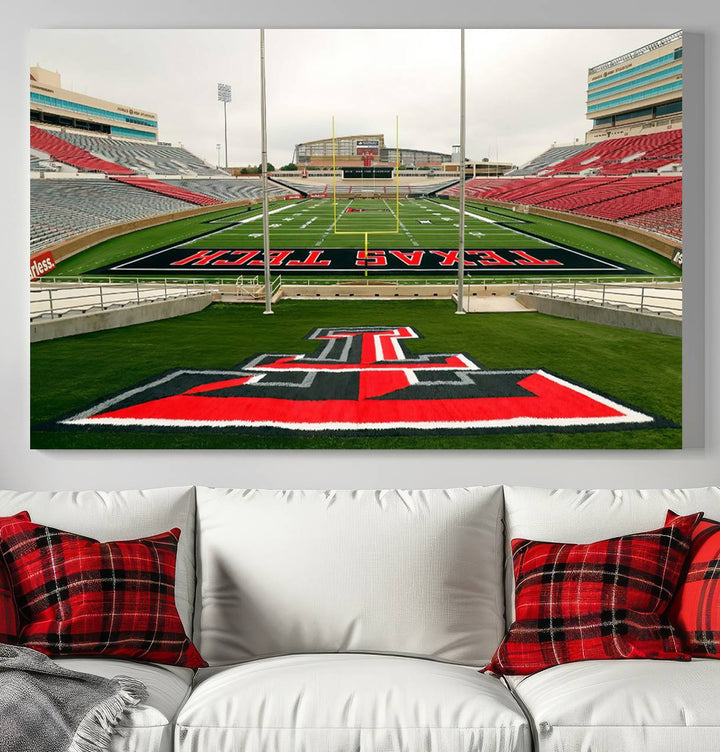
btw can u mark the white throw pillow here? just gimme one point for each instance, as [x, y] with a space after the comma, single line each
[397, 572]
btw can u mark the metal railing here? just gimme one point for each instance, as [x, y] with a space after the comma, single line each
[56, 296]
[643, 298]
[55, 300]
[246, 286]
[208, 283]
[211, 284]
[478, 281]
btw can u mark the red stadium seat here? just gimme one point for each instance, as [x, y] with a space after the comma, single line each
[173, 191]
[62, 151]
[621, 156]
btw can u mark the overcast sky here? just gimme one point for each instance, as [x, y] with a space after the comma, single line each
[526, 88]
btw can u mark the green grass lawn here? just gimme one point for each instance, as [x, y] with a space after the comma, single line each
[318, 223]
[643, 370]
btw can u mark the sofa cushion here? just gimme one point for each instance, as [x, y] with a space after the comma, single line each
[77, 596]
[695, 610]
[120, 515]
[148, 727]
[613, 706]
[346, 703]
[603, 600]
[401, 572]
[569, 515]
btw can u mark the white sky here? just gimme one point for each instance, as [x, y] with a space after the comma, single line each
[526, 88]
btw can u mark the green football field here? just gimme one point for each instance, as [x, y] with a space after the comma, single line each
[321, 225]
[73, 374]
[417, 223]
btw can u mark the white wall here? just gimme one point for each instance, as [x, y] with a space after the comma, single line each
[699, 464]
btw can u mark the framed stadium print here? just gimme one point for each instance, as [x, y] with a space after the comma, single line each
[356, 238]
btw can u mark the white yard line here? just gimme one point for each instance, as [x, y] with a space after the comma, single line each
[470, 214]
[332, 225]
[400, 223]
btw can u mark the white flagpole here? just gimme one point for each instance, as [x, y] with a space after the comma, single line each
[266, 218]
[461, 239]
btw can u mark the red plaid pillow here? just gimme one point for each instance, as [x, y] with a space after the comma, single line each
[594, 601]
[695, 610]
[8, 612]
[77, 596]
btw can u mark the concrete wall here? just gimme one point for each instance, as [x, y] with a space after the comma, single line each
[68, 325]
[572, 309]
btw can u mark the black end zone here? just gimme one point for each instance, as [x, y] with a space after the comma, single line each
[174, 260]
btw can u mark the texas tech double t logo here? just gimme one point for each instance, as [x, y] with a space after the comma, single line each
[362, 379]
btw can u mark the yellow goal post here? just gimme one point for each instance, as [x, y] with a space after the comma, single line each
[396, 231]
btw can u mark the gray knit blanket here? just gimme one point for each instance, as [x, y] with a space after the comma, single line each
[47, 708]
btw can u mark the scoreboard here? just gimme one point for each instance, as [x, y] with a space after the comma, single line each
[357, 173]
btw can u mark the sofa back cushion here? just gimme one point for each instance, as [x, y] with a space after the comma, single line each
[396, 572]
[120, 515]
[564, 515]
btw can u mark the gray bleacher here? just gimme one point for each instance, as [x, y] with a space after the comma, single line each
[38, 164]
[232, 189]
[145, 159]
[550, 157]
[60, 209]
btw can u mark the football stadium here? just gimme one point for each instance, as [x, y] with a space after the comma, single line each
[153, 271]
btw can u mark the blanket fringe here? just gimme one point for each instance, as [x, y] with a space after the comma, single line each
[96, 730]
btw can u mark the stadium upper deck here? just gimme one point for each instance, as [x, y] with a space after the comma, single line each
[638, 92]
[362, 149]
[50, 104]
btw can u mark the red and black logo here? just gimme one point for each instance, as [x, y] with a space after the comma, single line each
[360, 380]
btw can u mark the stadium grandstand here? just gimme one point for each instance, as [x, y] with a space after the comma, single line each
[362, 149]
[53, 106]
[108, 155]
[231, 189]
[83, 192]
[61, 209]
[87, 172]
[554, 155]
[150, 159]
[357, 187]
[653, 203]
[637, 93]
[630, 168]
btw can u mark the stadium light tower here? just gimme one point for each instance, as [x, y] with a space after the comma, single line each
[266, 218]
[225, 96]
[461, 223]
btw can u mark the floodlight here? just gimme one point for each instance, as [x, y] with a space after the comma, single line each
[224, 93]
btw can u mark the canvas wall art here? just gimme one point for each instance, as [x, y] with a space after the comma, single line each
[356, 238]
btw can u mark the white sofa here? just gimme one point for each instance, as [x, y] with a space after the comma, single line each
[356, 621]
